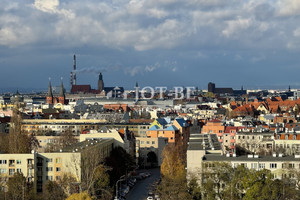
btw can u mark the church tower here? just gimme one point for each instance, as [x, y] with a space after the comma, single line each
[100, 83]
[49, 98]
[61, 98]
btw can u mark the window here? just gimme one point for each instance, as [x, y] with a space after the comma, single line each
[153, 142]
[261, 165]
[3, 162]
[50, 178]
[57, 177]
[294, 137]
[253, 165]
[58, 169]
[142, 142]
[49, 169]
[49, 160]
[148, 142]
[11, 172]
[273, 165]
[18, 162]
[19, 170]
[3, 171]
[58, 160]
[11, 163]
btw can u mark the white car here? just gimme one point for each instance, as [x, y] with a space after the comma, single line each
[150, 198]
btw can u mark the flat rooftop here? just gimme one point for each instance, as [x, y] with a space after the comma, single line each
[220, 158]
[200, 141]
[81, 146]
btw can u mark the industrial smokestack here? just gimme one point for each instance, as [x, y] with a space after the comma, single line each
[74, 70]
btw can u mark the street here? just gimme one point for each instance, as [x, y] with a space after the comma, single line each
[140, 190]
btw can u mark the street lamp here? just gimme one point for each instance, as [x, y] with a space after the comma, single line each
[121, 179]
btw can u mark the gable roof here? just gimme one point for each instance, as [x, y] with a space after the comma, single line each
[153, 128]
[172, 128]
[182, 122]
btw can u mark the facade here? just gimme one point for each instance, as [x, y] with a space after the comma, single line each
[50, 99]
[256, 142]
[77, 126]
[38, 168]
[214, 127]
[202, 152]
[146, 145]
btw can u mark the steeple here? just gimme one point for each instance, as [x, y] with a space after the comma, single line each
[136, 85]
[50, 89]
[289, 88]
[62, 91]
[100, 83]
[49, 98]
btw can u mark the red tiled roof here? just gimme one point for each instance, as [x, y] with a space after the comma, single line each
[81, 88]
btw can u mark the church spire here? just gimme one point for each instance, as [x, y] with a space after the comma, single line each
[50, 89]
[62, 91]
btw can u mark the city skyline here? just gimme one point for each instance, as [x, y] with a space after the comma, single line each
[254, 44]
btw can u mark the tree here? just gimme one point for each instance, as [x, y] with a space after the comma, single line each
[194, 188]
[19, 141]
[53, 191]
[102, 188]
[172, 166]
[120, 163]
[174, 183]
[4, 143]
[67, 138]
[18, 188]
[79, 196]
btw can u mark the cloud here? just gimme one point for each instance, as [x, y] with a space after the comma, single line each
[47, 5]
[289, 7]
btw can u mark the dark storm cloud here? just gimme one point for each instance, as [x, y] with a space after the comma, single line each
[156, 41]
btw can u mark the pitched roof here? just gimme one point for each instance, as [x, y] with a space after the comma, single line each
[171, 128]
[81, 88]
[182, 122]
[153, 128]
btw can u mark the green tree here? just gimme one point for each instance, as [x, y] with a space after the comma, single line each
[53, 191]
[18, 188]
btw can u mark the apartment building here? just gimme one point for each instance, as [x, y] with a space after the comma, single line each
[38, 168]
[204, 152]
[78, 126]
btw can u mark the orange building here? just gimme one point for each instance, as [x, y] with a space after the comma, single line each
[214, 127]
[171, 132]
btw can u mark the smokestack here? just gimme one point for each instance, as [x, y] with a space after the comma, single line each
[74, 70]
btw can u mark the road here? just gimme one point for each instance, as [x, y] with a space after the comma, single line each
[140, 190]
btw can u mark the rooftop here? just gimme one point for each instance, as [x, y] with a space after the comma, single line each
[81, 146]
[218, 157]
[200, 141]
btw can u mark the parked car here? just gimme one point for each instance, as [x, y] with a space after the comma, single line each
[150, 198]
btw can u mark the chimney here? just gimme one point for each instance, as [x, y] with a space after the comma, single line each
[74, 70]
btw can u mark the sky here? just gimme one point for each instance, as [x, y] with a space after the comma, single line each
[254, 43]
